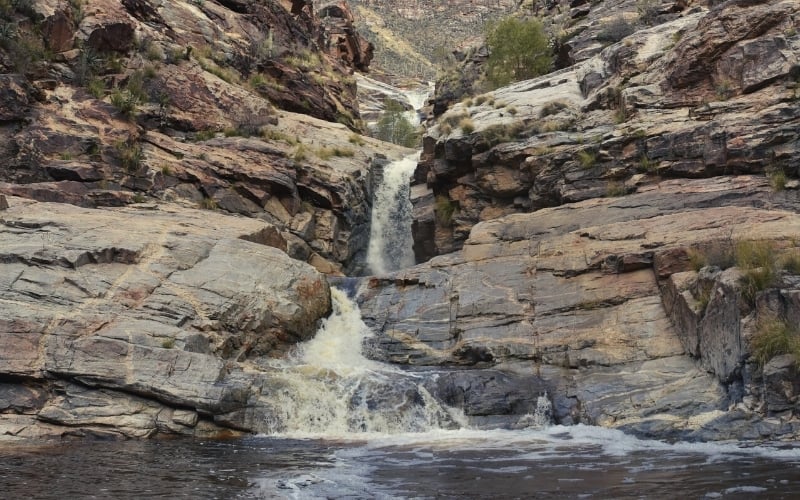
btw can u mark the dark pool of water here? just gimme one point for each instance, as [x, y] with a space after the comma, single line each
[553, 464]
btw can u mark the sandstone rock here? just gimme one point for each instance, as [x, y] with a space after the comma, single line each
[58, 31]
[165, 303]
[15, 98]
[596, 298]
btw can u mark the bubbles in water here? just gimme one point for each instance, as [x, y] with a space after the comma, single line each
[329, 388]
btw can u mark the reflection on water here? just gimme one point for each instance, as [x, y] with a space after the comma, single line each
[557, 462]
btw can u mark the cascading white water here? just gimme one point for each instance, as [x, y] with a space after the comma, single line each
[390, 242]
[329, 388]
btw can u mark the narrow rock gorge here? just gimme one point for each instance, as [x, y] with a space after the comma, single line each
[182, 184]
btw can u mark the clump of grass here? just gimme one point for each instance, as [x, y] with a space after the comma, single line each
[791, 262]
[480, 99]
[277, 135]
[497, 134]
[467, 102]
[96, 87]
[444, 208]
[551, 108]
[724, 89]
[586, 158]
[466, 125]
[125, 101]
[704, 296]
[130, 155]
[553, 126]
[615, 189]
[774, 337]
[208, 204]
[454, 119]
[168, 343]
[300, 153]
[356, 139]
[204, 135]
[719, 253]
[755, 259]
[512, 111]
[647, 165]
[777, 179]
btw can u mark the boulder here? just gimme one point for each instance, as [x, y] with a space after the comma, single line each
[165, 303]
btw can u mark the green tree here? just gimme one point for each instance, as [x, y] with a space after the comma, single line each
[518, 50]
[394, 127]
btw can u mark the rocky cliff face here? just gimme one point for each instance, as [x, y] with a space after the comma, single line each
[134, 321]
[226, 105]
[414, 37]
[563, 218]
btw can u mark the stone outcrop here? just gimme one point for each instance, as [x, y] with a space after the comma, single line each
[142, 320]
[228, 105]
[635, 111]
[592, 298]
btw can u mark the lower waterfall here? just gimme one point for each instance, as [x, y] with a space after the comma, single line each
[390, 241]
[327, 387]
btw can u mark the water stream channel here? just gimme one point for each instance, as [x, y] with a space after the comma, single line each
[349, 427]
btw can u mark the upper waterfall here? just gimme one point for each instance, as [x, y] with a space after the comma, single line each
[390, 241]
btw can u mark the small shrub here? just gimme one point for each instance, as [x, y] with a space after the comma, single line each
[208, 204]
[166, 170]
[343, 152]
[497, 134]
[615, 189]
[153, 52]
[138, 198]
[512, 111]
[204, 135]
[774, 337]
[130, 155]
[704, 296]
[444, 209]
[724, 89]
[96, 87]
[323, 153]
[168, 343]
[480, 100]
[453, 119]
[586, 158]
[551, 108]
[615, 30]
[777, 179]
[755, 259]
[276, 135]
[719, 253]
[791, 262]
[66, 155]
[646, 164]
[300, 153]
[518, 50]
[467, 102]
[466, 125]
[125, 102]
[553, 126]
[356, 139]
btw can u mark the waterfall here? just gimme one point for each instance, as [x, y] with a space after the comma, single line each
[390, 242]
[329, 388]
